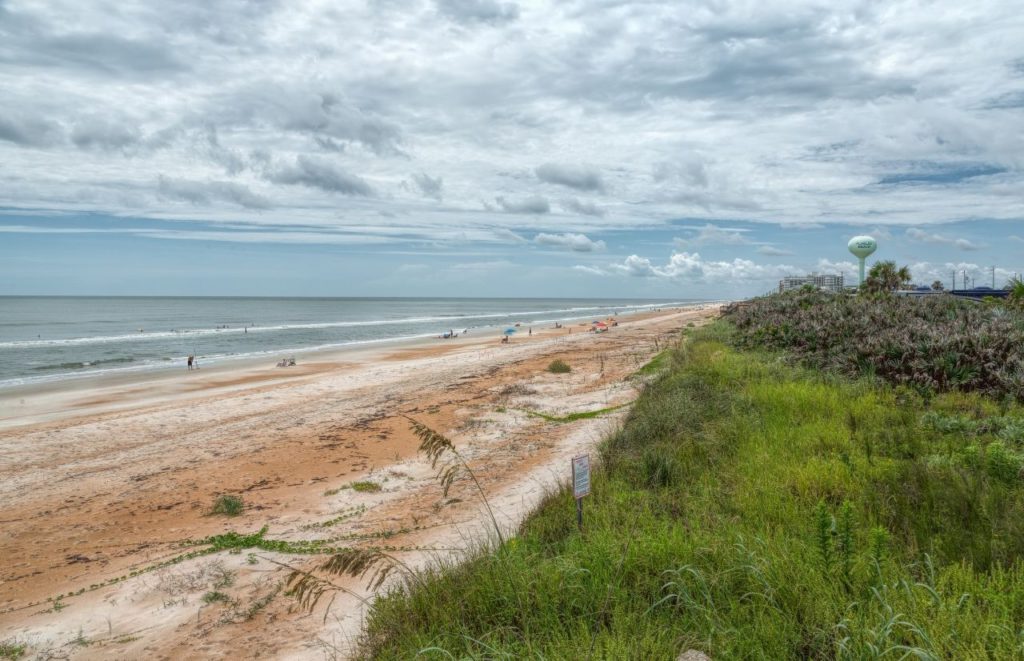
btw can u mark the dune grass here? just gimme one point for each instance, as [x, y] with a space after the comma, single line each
[228, 505]
[752, 509]
[572, 417]
[559, 367]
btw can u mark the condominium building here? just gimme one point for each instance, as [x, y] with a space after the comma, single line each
[819, 281]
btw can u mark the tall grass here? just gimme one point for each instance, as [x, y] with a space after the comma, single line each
[752, 509]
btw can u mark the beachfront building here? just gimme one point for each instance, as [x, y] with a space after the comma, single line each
[825, 281]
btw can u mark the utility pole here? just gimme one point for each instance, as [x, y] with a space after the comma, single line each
[993, 277]
[954, 281]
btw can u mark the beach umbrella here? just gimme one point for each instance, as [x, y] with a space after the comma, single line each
[510, 331]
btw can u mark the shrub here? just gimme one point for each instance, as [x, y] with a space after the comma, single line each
[559, 367]
[214, 597]
[366, 487]
[931, 344]
[228, 505]
[12, 650]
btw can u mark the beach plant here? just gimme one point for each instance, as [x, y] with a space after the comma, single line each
[558, 366]
[930, 344]
[12, 649]
[776, 537]
[366, 486]
[228, 505]
[373, 564]
[215, 597]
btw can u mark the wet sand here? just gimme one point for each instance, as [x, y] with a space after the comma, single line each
[104, 479]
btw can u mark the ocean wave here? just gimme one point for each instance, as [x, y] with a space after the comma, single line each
[143, 336]
[74, 365]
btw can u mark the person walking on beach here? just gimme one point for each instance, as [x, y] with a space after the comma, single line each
[529, 332]
[191, 359]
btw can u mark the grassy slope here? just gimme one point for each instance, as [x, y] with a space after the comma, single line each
[752, 509]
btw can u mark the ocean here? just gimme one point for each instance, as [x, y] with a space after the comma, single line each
[50, 338]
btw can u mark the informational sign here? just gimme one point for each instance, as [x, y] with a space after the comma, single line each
[581, 476]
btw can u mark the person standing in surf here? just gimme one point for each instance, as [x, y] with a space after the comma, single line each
[191, 359]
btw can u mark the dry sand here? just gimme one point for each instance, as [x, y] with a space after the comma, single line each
[105, 479]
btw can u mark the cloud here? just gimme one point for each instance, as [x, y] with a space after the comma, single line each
[572, 176]
[845, 267]
[483, 266]
[206, 192]
[327, 117]
[927, 272]
[714, 235]
[532, 204]
[30, 131]
[592, 270]
[478, 11]
[317, 173]
[585, 208]
[772, 251]
[574, 242]
[929, 237]
[691, 266]
[627, 116]
[98, 53]
[691, 171]
[429, 186]
[104, 134]
[508, 235]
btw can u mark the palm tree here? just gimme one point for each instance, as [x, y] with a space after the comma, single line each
[885, 277]
[1016, 287]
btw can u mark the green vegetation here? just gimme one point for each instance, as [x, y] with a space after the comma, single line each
[12, 650]
[572, 417]
[752, 509]
[656, 364]
[228, 505]
[215, 597]
[559, 367]
[934, 344]
[366, 487]
[885, 276]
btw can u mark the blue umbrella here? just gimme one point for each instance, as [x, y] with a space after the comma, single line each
[509, 331]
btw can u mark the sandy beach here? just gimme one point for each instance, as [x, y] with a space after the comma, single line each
[103, 481]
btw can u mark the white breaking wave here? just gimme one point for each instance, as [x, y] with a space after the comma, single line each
[143, 336]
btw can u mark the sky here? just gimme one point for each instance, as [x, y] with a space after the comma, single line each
[651, 148]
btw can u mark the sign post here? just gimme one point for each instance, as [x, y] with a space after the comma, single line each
[580, 484]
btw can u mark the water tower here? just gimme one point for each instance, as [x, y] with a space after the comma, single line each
[861, 247]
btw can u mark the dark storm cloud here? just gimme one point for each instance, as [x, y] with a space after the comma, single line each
[30, 131]
[478, 11]
[573, 176]
[429, 186]
[533, 204]
[318, 173]
[203, 193]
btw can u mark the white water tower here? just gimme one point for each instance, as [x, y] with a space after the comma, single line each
[861, 247]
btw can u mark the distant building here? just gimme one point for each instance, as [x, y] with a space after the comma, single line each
[819, 281]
